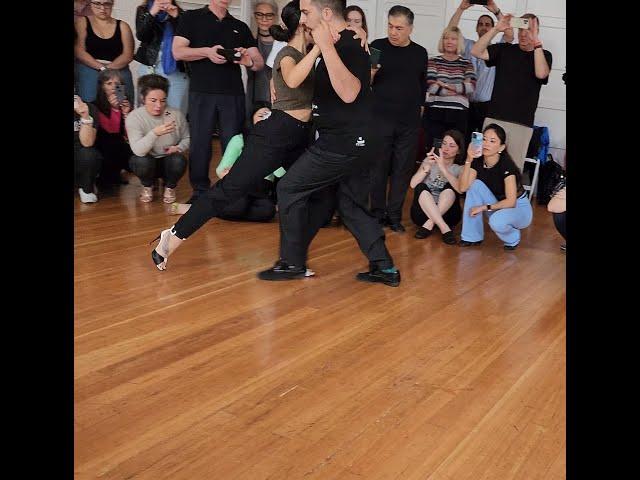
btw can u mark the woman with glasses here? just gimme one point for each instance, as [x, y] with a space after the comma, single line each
[258, 92]
[156, 22]
[102, 42]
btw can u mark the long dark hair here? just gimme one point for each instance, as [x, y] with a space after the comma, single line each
[291, 18]
[102, 102]
[502, 135]
[355, 8]
[459, 139]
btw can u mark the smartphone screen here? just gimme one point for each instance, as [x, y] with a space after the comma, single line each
[120, 95]
[517, 22]
[476, 141]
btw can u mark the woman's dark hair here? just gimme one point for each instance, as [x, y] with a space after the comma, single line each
[291, 18]
[502, 135]
[355, 8]
[459, 139]
[102, 102]
[146, 83]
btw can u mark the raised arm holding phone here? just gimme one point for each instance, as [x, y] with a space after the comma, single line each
[521, 70]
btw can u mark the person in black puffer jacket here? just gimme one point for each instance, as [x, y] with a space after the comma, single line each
[156, 23]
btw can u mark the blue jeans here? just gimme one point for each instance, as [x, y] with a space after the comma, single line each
[178, 96]
[87, 79]
[506, 222]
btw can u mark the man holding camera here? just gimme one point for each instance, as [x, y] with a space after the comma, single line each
[521, 69]
[205, 38]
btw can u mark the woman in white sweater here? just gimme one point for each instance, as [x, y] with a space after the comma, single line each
[159, 137]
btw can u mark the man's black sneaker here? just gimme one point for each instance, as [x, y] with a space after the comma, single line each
[376, 275]
[283, 271]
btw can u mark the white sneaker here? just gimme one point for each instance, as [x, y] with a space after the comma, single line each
[87, 197]
[309, 273]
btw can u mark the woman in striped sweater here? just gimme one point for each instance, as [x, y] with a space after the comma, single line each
[451, 79]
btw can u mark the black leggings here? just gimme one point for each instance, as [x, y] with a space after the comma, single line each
[451, 217]
[250, 209]
[87, 162]
[115, 155]
[277, 141]
[169, 168]
[560, 221]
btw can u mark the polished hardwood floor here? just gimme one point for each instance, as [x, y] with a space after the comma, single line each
[204, 372]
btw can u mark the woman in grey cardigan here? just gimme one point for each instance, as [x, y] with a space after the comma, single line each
[158, 137]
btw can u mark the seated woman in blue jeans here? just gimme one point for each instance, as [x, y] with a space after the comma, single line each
[493, 184]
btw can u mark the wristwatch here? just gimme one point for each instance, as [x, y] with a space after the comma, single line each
[489, 208]
[87, 121]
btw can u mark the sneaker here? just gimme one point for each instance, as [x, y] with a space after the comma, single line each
[511, 247]
[147, 194]
[375, 275]
[87, 197]
[283, 271]
[169, 195]
[309, 273]
[397, 227]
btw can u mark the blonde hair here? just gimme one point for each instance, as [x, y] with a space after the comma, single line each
[456, 31]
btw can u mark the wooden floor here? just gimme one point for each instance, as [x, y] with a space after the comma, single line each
[204, 372]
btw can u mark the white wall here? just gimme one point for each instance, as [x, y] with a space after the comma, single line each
[431, 16]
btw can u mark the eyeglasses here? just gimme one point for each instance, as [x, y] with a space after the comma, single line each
[104, 5]
[268, 16]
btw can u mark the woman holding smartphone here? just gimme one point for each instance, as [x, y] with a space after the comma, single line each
[113, 107]
[436, 189]
[158, 136]
[493, 184]
[276, 141]
[156, 22]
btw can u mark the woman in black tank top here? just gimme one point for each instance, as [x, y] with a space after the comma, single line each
[102, 42]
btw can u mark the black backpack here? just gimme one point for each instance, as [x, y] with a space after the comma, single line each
[550, 175]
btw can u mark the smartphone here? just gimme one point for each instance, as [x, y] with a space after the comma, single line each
[120, 93]
[476, 141]
[478, 2]
[168, 118]
[437, 143]
[230, 54]
[374, 59]
[76, 101]
[517, 22]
